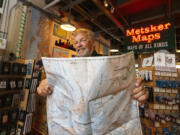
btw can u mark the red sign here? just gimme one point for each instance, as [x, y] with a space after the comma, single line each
[147, 34]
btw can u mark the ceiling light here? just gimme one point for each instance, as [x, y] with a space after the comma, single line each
[136, 65]
[114, 50]
[106, 3]
[68, 27]
[177, 66]
[178, 51]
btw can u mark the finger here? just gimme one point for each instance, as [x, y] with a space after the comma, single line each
[141, 103]
[46, 82]
[42, 91]
[138, 89]
[143, 98]
[139, 94]
[43, 94]
[47, 88]
[138, 81]
[47, 91]
[39, 90]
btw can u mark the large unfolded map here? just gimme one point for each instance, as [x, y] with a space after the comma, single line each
[92, 96]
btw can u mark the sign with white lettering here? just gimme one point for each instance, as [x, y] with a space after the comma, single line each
[151, 38]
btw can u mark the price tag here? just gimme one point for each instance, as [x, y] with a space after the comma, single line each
[169, 74]
[161, 90]
[175, 91]
[174, 74]
[168, 107]
[156, 106]
[175, 107]
[168, 90]
[157, 73]
[163, 107]
[156, 89]
[162, 73]
[156, 124]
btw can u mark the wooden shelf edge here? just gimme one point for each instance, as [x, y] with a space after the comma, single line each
[7, 108]
[9, 91]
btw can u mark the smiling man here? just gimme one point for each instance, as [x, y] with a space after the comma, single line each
[84, 43]
[85, 47]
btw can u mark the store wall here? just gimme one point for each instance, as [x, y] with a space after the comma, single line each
[6, 20]
[38, 42]
[38, 39]
[10, 24]
[39, 3]
[9, 4]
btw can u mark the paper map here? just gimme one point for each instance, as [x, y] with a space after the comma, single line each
[92, 96]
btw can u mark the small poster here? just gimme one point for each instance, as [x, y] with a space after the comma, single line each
[159, 59]
[170, 60]
[147, 62]
[59, 52]
[57, 31]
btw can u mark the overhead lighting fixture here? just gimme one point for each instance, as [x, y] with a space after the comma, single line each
[106, 3]
[178, 51]
[68, 26]
[136, 65]
[177, 66]
[114, 50]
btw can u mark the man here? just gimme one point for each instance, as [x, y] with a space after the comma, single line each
[84, 44]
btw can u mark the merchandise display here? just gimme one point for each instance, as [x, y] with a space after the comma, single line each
[27, 104]
[11, 84]
[160, 115]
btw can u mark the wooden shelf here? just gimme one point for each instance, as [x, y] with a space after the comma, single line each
[149, 83]
[20, 123]
[64, 48]
[28, 76]
[9, 91]
[7, 108]
[158, 107]
[146, 68]
[2, 51]
[12, 76]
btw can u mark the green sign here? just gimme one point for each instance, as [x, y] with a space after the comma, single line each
[150, 38]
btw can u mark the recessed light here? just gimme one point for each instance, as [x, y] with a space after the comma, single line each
[114, 50]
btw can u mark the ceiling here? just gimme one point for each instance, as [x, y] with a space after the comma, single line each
[112, 21]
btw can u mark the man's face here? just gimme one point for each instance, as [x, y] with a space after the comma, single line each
[84, 46]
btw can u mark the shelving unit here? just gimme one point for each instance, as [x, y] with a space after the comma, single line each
[159, 112]
[11, 84]
[25, 109]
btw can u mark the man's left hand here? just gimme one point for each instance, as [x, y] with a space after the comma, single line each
[139, 93]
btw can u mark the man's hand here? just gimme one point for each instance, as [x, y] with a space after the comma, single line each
[139, 93]
[44, 89]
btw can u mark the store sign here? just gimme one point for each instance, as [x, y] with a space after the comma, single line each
[150, 38]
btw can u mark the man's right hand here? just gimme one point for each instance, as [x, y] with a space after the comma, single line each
[44, 89]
